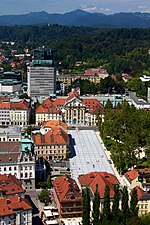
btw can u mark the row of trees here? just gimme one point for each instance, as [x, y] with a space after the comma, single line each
[115, 214]
[126, 133]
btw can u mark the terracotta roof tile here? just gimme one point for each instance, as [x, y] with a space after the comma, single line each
[67, 189]
[11, 205]
[47, 107]
[131, 175]
[55, 135]
[10, 185]
[100, 178]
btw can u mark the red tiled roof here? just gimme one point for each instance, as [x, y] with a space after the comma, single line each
[47, 107]
[11, 205]
[72, 95]
[55, 123]
[19, 105]
[67, 189]
[92, 103]
[59, 102]
[139, 192]
[14, 105]
[95, 71]
[131, 175]
[10, 185]
[4, 105]
[100, 178]
[54, 136]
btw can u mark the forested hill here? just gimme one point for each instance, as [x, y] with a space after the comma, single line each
[118, 50]
[80, 18]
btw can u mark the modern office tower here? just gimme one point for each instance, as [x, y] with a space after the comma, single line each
[41, 75]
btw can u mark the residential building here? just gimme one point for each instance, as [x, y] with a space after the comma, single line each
[143, 201]
[47, 111]
[15, 211]
[14, 112]
[76, 110]
[11, 133]
[101, 179]
[20, 113]
[17, 158]
[41, 75]
[51, 141]
[10, 186]
[137, 177]
[68, 197]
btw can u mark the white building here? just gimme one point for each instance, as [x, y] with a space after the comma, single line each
[10, 134]
[15, 210]
[14, 113]
[19, 160]
[10, 86]
[73, 110]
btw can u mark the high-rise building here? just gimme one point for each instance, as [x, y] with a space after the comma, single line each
[41, 75]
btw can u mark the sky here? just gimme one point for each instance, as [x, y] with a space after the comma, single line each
[62, 6]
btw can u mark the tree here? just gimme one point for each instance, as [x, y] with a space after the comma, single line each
[96, 205]
[49, 181]
[109, 104]
[86, 207]
[125, 206]
[133, 203]
[115, 207]
[106, 209]
[44, 196]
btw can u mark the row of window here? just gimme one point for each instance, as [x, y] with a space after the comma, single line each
[5, 139]
[26, 175]
[50, 152]
[14, 168]
[50, 147]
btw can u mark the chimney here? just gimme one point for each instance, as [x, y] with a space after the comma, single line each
[8, 201]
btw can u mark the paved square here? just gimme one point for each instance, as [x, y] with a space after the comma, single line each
[87, 154]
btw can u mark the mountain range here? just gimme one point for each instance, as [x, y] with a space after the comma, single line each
[80, 18]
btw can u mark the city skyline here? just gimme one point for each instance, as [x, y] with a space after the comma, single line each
[63, 6]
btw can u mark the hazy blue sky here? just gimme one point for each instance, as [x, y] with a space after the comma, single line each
[62, 6]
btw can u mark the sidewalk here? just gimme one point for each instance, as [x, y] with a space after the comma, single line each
[108, 154]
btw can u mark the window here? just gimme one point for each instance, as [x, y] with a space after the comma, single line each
[26, 175]
[9, 168]
[30, 167]
[26, 167]
[21, 168]
[30, 174]
[15, 168]
[4, 168]
[21, 175]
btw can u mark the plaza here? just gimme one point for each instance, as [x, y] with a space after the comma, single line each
[87, 154]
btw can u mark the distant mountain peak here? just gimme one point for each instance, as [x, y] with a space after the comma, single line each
[80, 17]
